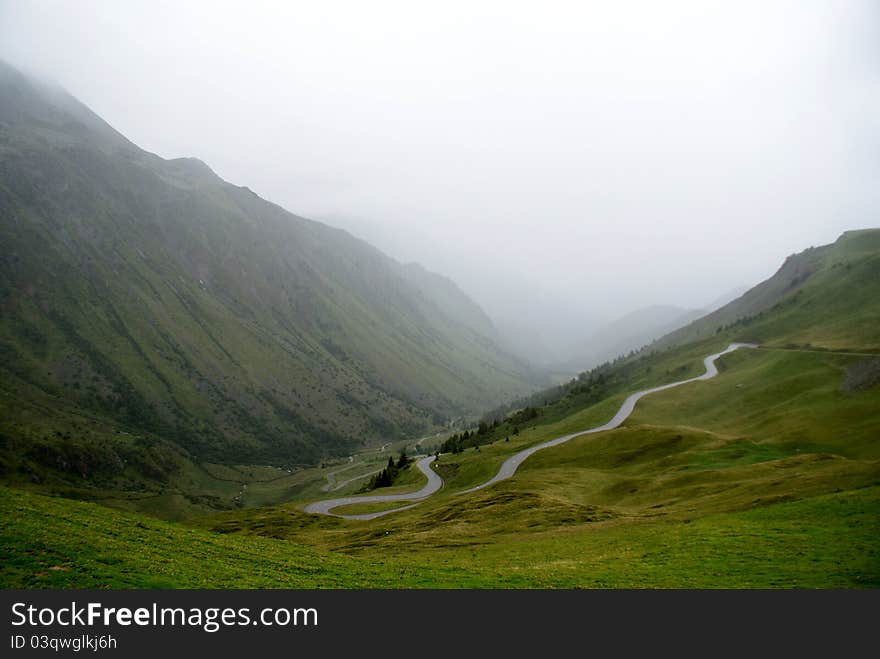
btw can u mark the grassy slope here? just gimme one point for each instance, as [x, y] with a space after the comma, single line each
[764, 476]
[825, 296]
[646, 505]
[774, 432]
[823, 542]
[75, 544]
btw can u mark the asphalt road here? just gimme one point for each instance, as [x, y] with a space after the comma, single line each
[509, 466]
[424, 465]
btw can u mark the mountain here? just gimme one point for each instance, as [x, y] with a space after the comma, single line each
[451, 300]
[779, 449]
[639, 328]
[513, 304]
[724, 299]
[631, 332]
[823, 297]
[151, 310]
[834, 278]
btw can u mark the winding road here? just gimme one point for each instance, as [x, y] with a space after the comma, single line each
[434, 483]
[331, 476]
[509, 466]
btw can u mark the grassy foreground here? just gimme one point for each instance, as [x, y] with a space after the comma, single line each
[766, 476]
[822, 542]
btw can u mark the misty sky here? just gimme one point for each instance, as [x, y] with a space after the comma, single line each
[563, 162]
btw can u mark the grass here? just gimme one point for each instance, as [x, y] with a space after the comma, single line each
[741, 494]
[793, 400]
[827, 542]
[363, 508]
[774, 429]
[766, 476]
[820, 542]
[58, 543]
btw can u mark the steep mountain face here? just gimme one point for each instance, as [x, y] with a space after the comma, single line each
[143, 297]
[824, 297]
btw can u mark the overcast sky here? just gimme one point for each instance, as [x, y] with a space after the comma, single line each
[563, 162]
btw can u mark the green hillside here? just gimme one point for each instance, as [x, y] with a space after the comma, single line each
[823, 542]
[714, 472]
[154, 315]
[174, 345]
[765, 476]
[825, 297]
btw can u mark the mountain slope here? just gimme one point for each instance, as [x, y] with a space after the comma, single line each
[632, 331]
[825, 296]
[822, 299]
[147, 304]
[821, 296]
[783, 429]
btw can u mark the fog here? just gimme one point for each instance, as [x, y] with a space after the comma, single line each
[564, 163]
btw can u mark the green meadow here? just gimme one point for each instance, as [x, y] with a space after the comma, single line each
[766, 476]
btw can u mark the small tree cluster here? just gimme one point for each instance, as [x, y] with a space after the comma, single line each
[386, 477]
